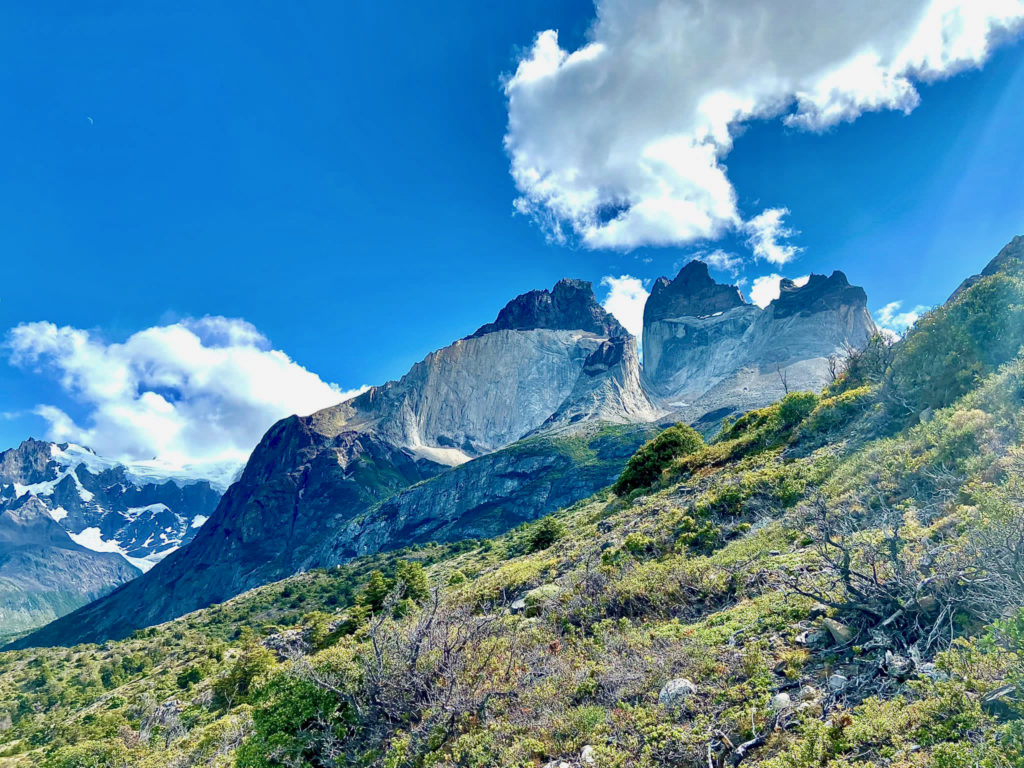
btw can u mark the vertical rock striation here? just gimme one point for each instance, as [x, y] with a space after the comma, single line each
[708, 350]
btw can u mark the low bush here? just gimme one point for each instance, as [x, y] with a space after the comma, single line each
[656, 455]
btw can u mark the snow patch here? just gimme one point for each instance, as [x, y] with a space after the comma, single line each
[451, 457]
[91, 538]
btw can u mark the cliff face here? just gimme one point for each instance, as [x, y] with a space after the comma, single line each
[706, 349]
[519, 409]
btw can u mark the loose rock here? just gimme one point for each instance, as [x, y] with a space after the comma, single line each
[676, 692]
[841, 633]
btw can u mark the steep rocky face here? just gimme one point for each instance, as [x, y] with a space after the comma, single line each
[43, 573]
[693, 292]
[141, 511]
[317, 489]
[705, 349]
[569, 306]
[494, 493]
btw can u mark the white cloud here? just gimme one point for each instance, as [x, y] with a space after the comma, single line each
[765, 231]
[625, 300]
[890, 318]
[765, 289]
[622, 142]
[192, 391]
[719, 259]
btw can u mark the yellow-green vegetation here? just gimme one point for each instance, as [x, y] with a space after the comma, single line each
[834, 581]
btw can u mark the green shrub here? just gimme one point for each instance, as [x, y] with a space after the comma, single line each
[795, 407]
[545, 533]
[91, 754]
[833, 413]
[656, 455]
[953, 346]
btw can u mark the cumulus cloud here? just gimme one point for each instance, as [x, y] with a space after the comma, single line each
[621, 143]
[625, 300]
[890, 318]
[193, 391]
[765, 289]
[722, 260]
[766, 231]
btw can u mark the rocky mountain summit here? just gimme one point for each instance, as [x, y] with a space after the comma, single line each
[707, 350]
[535, 410]
[569, 306]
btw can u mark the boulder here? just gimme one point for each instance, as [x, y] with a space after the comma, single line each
[675, 692]
[837, 683]
[841, 633]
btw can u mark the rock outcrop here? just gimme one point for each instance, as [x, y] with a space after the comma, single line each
[504, 425]
[1008, 260]
[707, 350]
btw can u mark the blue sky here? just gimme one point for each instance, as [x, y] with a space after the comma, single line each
[335, 175]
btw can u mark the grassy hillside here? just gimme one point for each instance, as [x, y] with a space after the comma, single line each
[836, 580]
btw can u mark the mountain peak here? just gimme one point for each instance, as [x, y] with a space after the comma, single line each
[693, 292]
[818, 294]
[1013, 251]
[569, 306]
[1010, 260]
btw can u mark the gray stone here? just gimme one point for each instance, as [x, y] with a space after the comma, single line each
[675, 692]
[781, 701]
[587, 756]
[808, 693]
[837, 683]
[841, 633]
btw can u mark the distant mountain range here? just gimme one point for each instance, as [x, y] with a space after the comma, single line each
[73, 525]
[530, 413]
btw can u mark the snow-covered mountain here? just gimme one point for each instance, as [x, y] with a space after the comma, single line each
[142, 510]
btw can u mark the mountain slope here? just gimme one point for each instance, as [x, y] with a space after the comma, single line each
[144, 510]
[44, 574]
[77, 525]
[311, 481]
[832, 582]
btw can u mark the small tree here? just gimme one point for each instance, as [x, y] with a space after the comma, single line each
[376, 591]
[654, 456]
[545, 533]
[414, 580]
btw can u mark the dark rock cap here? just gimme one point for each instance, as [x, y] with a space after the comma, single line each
[569, 306]
[693, 293]
[818, 294]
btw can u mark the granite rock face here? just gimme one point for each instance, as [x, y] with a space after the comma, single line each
[530, 413]
[569, 306]
[708, 350]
